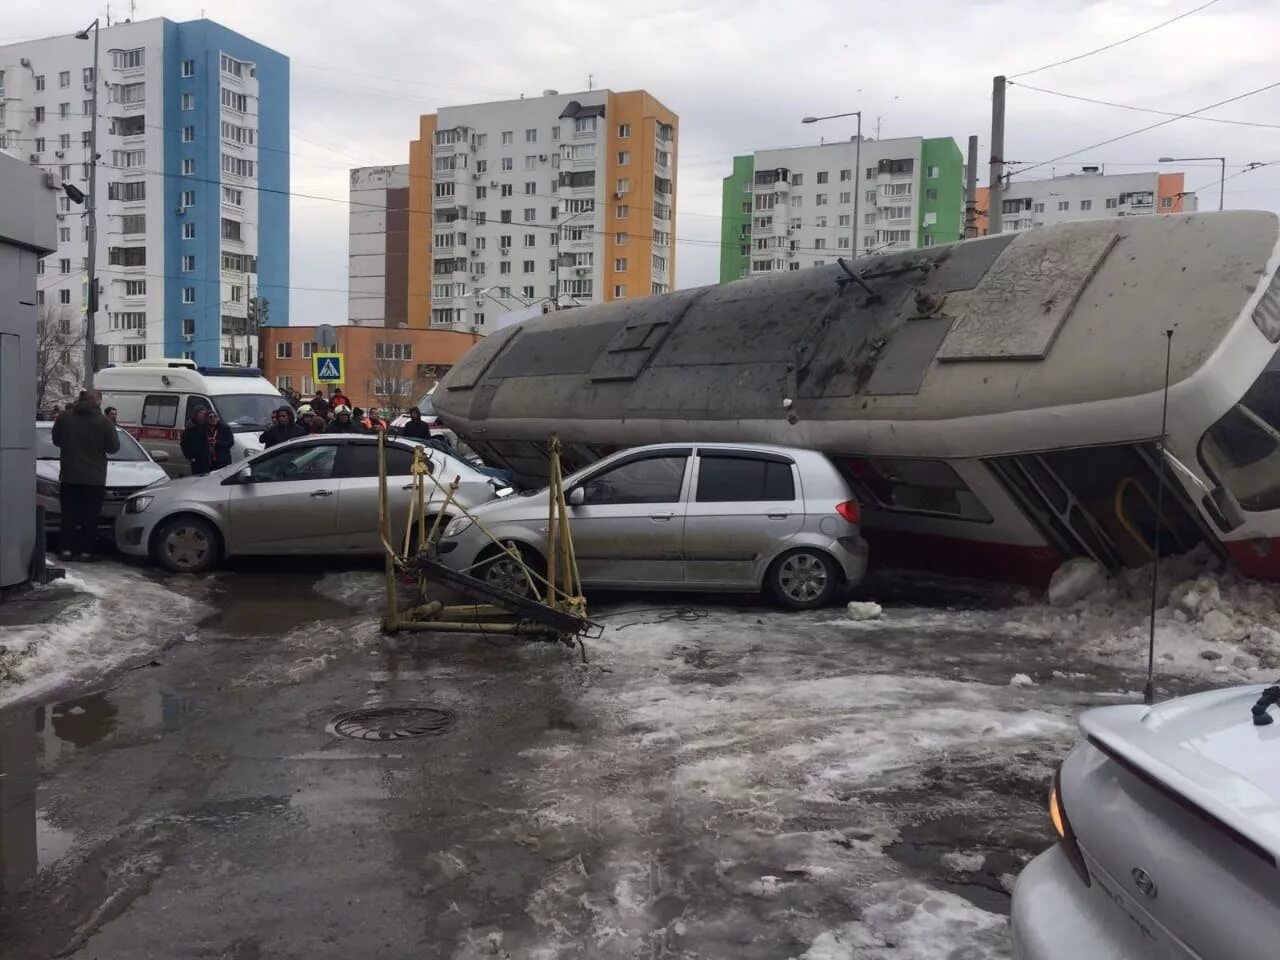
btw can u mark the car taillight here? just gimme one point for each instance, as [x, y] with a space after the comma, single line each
[1062, 827]
[850, 511]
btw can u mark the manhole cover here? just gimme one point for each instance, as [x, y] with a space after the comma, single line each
[391, 723]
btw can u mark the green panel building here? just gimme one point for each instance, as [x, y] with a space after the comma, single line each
[735, 220]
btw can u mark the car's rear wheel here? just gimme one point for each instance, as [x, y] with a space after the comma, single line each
[187, 545]
[507, 573]
[803, 579]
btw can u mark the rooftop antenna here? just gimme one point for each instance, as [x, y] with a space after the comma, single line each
[1149, 690]
[108, 14]
[591, 81]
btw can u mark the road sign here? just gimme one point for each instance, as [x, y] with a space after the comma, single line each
[326, 336]
[326, 367]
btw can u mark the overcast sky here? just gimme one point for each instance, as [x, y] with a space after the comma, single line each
[740, 75]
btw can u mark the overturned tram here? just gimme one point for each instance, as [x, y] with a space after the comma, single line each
[996, 404]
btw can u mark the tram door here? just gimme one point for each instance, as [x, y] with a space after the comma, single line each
[1100, 502]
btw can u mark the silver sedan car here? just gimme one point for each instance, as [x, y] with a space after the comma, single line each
[1168, 825]
[706, 516]
[316, 495]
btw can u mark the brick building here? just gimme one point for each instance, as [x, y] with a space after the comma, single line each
[384, 367]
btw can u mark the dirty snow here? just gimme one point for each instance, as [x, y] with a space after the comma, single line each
[863, 610]
[120, 614]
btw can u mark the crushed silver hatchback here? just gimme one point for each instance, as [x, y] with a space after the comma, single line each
[1168, 825]
[707, 516]
[316, 495]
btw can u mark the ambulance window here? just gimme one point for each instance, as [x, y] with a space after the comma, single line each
[194, 403]
[160, 410]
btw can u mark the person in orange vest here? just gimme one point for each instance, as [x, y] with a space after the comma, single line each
[372, 422]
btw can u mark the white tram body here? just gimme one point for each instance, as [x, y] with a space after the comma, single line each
[996, 403]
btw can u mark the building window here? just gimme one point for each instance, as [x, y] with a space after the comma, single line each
[237, 294]
[188, 231]
[188, 262]
[820, 200]
[1086, 204]
[527, 293]
[64, 296]
[188, 101]
[797, 180]
[188, 167]
[1064, 204]
[188, 68]
[507, 164]
[230, 229]
[135, 288]
[135, 352]
[284, 381]
[508, 136]
[1112, 203]
[1038, 208]
[245, 168]
[64, 110]
[846, 175]
[235, 101]
[529, 266]
[820, 244]
[38, 115]
[86, 108]
[624, 185]
[624, 130]
[624, 158]
[531, 135]
[129, 321]
[530, 188]
[308, 348]
[530, 239]
[133, 223]
[870, 196]
[188, 294]
[620, 239]
[505, 190]
[188, 198]
[822, 176]
[393, 351]
[127, 59]
[64, 265]
[1166, 202]
[934, 173]
[284, 350]
[622, 211]
[40, 82]
[233, 196]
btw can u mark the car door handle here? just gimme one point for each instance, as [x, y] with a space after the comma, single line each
[322, 493]
[779, 516]
[661, 516]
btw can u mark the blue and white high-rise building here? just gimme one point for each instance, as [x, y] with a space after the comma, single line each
[192, 182]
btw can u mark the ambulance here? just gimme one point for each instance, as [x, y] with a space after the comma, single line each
[156, 399]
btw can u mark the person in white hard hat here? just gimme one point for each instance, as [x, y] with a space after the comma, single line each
[342, 422]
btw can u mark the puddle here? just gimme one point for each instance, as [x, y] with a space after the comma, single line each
[256, 604]
[80, 722]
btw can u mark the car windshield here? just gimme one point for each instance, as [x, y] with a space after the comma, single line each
[129, 449]
[247, 411]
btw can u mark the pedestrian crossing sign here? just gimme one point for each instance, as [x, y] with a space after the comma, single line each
[326, 367]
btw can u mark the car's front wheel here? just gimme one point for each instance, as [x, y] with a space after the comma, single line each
[187, 545]
[803, 579]
[507, 573]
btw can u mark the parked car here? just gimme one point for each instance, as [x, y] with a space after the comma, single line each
[316, 495]
[707, 516]
[1168, 824]
[129, 470]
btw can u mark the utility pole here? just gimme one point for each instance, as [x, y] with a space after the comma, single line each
[971, 190]
[857, 182]
[995, 188]
[91, 213]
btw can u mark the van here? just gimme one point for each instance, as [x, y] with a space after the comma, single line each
[156, 399]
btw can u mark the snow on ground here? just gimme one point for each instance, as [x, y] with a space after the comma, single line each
[120, 614]
[1210, 622]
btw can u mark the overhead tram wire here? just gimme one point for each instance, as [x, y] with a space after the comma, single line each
[1117, 43]
[1126, 106]
[1153, 126]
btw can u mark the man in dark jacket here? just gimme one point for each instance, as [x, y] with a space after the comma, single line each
[283, 429]
[416, 428]
[195, 443]
[342, 422]
[319, 405]
[85, 438]
[220, 440]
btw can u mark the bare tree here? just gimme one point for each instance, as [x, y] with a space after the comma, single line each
[59, 354]
[396, 382]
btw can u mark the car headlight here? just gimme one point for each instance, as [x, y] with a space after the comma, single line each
[457, 527]
[137, 504]
[46, 488]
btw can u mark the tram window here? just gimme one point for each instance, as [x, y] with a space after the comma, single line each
[1242, 450]
[914, 486]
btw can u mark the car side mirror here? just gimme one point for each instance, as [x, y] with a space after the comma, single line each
[577, 497]
[159, 456]
[1224, 508]
[245, 474]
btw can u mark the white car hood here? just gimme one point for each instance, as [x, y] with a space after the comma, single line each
[120, 473]
[1207, 748]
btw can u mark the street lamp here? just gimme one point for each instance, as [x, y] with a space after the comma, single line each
[857, 168]
[1222, 183]
[91, 213]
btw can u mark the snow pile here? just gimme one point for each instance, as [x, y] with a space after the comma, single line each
[1021, 680]
[122, 615]
[863, 610]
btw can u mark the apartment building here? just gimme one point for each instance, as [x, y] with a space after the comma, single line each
[378, 246]
[1089, 194]
[387, 368]
[191, 184]
[562, 198]
[805, 206]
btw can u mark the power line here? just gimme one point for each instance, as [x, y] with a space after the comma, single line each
[1153, 126]
[1112, 46]
[1126, 106]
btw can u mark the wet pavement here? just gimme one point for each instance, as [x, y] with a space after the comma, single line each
[717, 781]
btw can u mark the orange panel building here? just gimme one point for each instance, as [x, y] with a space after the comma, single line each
[384, 367]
